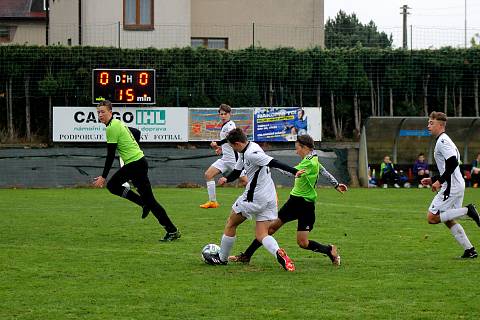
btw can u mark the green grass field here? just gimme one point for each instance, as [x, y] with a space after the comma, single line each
[86, 254]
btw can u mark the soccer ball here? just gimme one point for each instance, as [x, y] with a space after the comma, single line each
[210, 248]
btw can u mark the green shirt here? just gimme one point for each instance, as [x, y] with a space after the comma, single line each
[305, 184]
[118, 132]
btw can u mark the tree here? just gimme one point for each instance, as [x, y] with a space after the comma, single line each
[346, 31]
[49, 86]
[333, 64]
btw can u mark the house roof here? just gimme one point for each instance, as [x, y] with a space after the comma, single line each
[21, 9]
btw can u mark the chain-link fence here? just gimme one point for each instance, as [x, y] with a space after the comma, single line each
[351, 84]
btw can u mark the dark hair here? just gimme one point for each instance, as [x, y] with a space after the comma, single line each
[421, 154]
[302, 111]
[440, 116]
[236, 135]
[106, 103]
[306, 140]
[225, 107]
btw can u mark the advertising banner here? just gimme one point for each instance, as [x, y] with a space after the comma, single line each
[284, 124]
[205, 123]
[80, 124]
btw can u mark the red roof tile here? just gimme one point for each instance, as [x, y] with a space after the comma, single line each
[18, 9]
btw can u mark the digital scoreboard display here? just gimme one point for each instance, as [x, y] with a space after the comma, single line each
[123, 86]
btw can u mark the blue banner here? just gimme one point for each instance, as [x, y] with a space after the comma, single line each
[279, 124]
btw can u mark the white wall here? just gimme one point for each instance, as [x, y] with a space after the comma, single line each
[101, 18]
[294, 23]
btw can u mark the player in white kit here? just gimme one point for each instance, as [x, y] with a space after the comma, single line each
[259, 201]
[450, 185]
[225, 164]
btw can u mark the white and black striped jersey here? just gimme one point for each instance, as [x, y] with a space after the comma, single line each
[444, 149]
[227, 151]
[260, 185]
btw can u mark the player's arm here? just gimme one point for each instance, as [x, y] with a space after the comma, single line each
[234, 175]
[216, 144]
[450, 165]
[282, 167]
[135, 133]
[100, 181]
[340, 187]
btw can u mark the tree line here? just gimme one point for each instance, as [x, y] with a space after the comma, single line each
[349, 84]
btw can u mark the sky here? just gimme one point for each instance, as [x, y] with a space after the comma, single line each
[434, 23]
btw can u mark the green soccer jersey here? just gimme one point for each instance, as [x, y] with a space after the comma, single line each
[305, 184]
[118, 132]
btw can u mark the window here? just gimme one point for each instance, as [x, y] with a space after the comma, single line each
[210, 43]
[4, 34]
[138, 14]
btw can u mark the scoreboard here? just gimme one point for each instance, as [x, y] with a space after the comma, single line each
[123, 86]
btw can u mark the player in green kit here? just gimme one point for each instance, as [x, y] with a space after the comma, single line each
[301, 204]
[119, 137]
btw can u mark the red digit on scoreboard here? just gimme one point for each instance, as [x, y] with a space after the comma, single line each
[143, 79]
[104, 78]
[129, 94]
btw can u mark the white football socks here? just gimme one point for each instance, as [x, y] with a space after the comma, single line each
[226, 246]
[212, 196]
[453, 214]
[271, 245]
[461, 237]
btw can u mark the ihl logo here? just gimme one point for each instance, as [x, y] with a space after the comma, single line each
[150, 117]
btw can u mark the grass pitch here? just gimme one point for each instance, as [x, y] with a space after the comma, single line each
[86, 254]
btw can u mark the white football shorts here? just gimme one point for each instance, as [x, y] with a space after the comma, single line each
[439, 205]
[226, 167]
[260, 210]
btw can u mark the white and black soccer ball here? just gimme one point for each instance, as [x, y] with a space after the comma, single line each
[210, 248]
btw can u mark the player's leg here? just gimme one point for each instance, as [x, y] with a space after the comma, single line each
[229, 234]
[450, 209]
[446, 211]
[115, 185]
[142, 182]
[210, 174]
[264, 217]
[269, 242]
[461, 237]
[122, 163]
[227, 241]
[245, 257]
[306, 222]
[330, 250]
[288, 212]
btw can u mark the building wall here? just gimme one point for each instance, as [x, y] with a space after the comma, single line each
[63, 22]
[294, 23]
[102, 24]
[29, 33]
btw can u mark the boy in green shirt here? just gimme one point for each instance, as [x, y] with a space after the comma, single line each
[119, 137]
[301, 204]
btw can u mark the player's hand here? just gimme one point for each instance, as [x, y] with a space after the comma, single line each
[213, 144]
[99, 182]
[342, 188]
[299, 173]
[222, 181]
[218, 151]
[426, 181]
[436, 186]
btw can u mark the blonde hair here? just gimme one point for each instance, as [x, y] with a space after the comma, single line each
[440, 116]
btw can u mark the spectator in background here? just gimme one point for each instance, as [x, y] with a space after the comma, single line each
[388, 174]
[420, 169]
[372, 179]
[475, 173]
